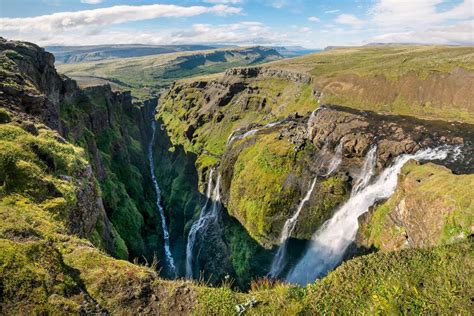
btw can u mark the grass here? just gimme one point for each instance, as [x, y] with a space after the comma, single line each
[411, 80]
[143, 75]
[257, 192]
[440, 203]
[390, 61]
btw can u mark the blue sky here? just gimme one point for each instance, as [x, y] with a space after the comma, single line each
[308, 23]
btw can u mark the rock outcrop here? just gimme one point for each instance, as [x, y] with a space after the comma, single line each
[112, 129]
[266, 72]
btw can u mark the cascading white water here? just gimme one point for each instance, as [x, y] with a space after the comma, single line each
[206, 217]
[216, 199]
[331, 241]
[368, 170]
[336, 159]
[166, 237]
[290, 224]
[195, 227]
[254, 131]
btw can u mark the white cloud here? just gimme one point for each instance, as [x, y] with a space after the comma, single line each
[413, 14]
[224, 1]
[305, 30]
[331, 11]
[59, 22]
[242, 33]
[313, 19]
[421, 21]
[349, 19]
[460, 33]
[92, 1]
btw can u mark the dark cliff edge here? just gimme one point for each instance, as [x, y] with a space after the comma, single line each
[112, 129]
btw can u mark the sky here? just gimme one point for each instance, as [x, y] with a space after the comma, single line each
[308, 23]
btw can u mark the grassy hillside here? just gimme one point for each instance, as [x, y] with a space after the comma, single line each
[424, 81]
[77, 54]
[145, 74]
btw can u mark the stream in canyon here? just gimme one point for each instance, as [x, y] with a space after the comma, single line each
[169, 257]
[208, 215]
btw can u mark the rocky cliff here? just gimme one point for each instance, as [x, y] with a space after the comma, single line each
[267, 133]
[114, 132]
[73, 185]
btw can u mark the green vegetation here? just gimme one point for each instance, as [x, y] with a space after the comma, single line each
[440, 204]
[114, 145]
[390, 61]
[411, 80]
[410, 281]
[30, 167]
[181, 110]
[215, 301]
[4, 116]
[143, 75]
[257, 191]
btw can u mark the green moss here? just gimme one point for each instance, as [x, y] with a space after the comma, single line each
[442, 199]
[4, 116]
[257, 191]
[216, 301]
[411, 281]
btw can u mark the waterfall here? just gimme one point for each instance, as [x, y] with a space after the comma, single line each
[332, 239]
[169, 256]
[290, 224]
[278, 262]
[335, 160]
[368, 170]
[207, 216]
[194, 229]
[254, 131]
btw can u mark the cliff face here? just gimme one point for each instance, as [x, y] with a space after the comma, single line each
[259, 128]
[114, 132]
[431, 206]
[32, 92]
[73, 178]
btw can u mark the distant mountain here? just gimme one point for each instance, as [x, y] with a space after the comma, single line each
[77, 54]
[149, 73]
[294, 51]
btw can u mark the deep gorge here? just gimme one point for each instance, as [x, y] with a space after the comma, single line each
[256, 153]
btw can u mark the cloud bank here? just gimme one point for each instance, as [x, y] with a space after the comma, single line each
[62, 21]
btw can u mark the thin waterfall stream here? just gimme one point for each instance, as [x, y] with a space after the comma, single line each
[169, 257]
[333, 238]
[208, 215]
[251, 132]
[279, 259]
[278, 263]
[368, 170]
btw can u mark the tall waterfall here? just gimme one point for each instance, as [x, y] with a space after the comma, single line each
[278, 262]
[333, 238]
[208, 215]
[290, 224]
[368, 170]
[336, 159]
[169, 256]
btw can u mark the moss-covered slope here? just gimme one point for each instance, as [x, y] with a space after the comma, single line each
[431, 206]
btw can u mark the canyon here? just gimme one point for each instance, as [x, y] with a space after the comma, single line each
[254, 180]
